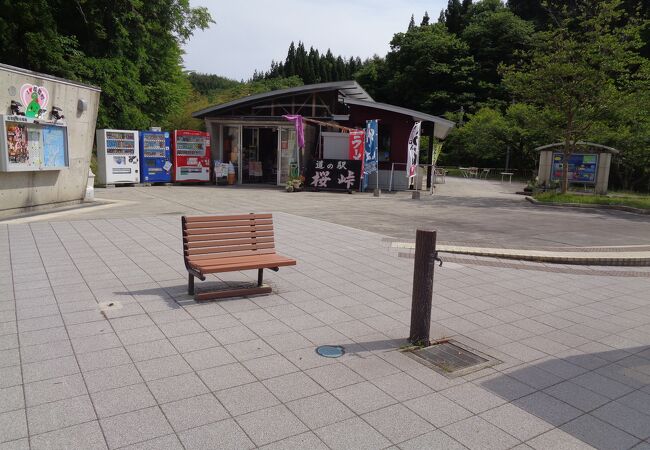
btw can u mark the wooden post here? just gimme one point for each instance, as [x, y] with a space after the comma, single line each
[425, 259]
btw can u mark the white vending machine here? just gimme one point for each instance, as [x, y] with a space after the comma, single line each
[118, 157]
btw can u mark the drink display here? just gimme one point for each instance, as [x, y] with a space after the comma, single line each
[191, 156]
[118, 159]
[155, 157]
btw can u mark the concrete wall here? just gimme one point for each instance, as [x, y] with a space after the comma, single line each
[22, 191]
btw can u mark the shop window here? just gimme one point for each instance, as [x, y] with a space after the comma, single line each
[384, 143]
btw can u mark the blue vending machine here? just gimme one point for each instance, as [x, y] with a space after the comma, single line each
[155, 157]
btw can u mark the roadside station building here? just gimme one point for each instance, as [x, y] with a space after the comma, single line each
[252, 135]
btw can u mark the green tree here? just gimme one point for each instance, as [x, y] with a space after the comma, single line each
[579, 72]
[425, 19]
[130, 48]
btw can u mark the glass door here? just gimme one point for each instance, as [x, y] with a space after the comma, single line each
[288, 159]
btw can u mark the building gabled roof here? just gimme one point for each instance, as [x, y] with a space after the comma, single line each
[605, 148]
[347, 89]
[442, 127]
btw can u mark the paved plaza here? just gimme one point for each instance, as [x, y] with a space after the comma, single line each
[101, 347]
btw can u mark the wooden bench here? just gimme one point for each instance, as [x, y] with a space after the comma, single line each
[215, 244]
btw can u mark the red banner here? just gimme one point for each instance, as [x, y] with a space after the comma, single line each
[357, 139]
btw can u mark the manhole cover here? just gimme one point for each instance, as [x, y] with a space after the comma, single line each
[330, 351]
[453, 359]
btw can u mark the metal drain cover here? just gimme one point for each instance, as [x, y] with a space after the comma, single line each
[453, 359]
[330, 351]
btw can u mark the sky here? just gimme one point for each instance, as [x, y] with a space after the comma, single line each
[249, 34]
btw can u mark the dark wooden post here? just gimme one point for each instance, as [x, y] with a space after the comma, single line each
[425, 259]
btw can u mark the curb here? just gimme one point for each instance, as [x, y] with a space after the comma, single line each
[543, 256]
[629, 209]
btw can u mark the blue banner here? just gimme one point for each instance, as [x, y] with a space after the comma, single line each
[371, 148]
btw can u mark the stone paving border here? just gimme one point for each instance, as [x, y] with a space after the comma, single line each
[629, 209]
[596, 258]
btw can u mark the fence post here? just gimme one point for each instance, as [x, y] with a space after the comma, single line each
[425, 260]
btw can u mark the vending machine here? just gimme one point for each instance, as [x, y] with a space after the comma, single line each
[118, 157]
[155, 157]
[191, 156]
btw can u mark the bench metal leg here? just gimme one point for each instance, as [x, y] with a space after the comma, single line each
[260, 277]
[190, 284]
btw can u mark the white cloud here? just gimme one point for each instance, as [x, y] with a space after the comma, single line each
[250, 33]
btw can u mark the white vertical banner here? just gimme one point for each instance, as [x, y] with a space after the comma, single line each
[413, 151]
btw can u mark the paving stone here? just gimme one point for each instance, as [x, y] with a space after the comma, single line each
[134, 427]
[401, 386]
[103, 359]
[320, 410]
[352, 433]
[435, 439]
[371, 367]
[599, 434]
[292, 386]
[602, 385]
[167, 366]
[140, 335]
[363, 397]
[226, 376]
[194, 412]
[209, 357]
[131, 322]
[246, 350]
[181, 328]
[270, 366]
[43, 336]
[95, 343]
[472, 397]
[18, 444]
[475, 433]
[558, 439]
[304, 441]
[627, 419]
[222, 435]
[516, 422]
[13, 425]
[122, 400]
[637, 400]
[11, 398]
[397, 423]
[89, 329]
[169, 442]
[271, 424]
[8, 341]
[577, 396]
[42, 352]
[243, 399]
[177, 387]
[60, 414]
[151, 350]
[437, 409]
[51, 368]
[111, 378]
[54, 389]
[85, 436]
[548, 408]
[234, 334]
[10, 376]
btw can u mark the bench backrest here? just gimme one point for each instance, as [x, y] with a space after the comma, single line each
[212, 237]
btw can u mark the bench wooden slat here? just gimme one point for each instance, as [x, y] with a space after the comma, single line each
[231, 254]
[213, 237]
[191, 219]
[220, 242]
[229, 249]
[228, 223]
[227, 230]
[255, 264]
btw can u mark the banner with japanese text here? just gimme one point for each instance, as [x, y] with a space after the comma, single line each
[372, 146]
[413, 150]
[356, 145]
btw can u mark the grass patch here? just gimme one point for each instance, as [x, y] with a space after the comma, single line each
[634, 201]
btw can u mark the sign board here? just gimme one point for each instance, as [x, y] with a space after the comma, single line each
[334, 174]
[356, 144]
[28, 144]
[582, 167]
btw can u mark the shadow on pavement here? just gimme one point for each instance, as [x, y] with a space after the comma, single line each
[602, 399]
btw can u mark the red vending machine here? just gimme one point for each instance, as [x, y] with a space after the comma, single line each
[191, 153]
